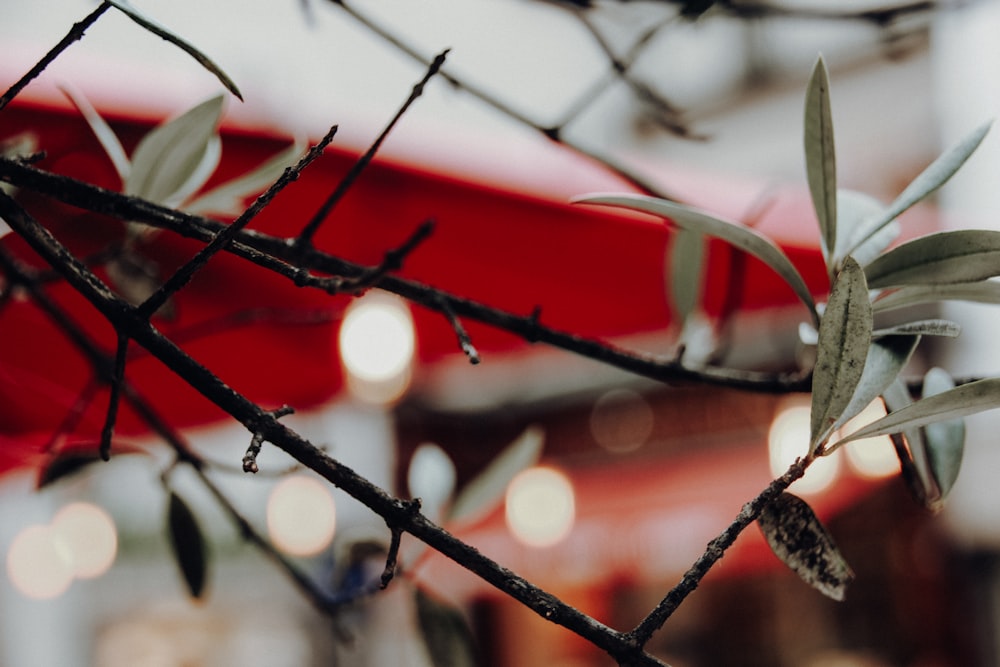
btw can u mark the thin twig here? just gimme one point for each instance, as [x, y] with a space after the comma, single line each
[713, 552]
[372, 275]
[464, 341]
[306, 235]
[75, 33]
[552, 133]
[225, 236]
[117, 379]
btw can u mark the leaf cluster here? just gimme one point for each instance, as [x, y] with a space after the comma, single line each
[855, 362]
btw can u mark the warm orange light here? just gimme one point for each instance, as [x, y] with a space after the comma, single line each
[38, 564]
[377, 343]
[89, 536]
[301, 516]
[873, 458]
[788, 439]
[540, 506]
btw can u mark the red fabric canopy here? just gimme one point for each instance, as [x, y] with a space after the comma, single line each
[593, 272]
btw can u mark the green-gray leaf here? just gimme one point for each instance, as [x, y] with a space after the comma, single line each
[853, 208]
[105, 135]
[230, 197]
[929, 180]
[188, 545]
[945, 440]
[740, 236]
[126, 8]
[798, 538]
[844, 338]
[977, 292]
[886, 357]
[172, 160]
[486, 490]
[961, 401]
[961, 256]
[686, 265]
[945, 328]
[445, 632]
[821, 164]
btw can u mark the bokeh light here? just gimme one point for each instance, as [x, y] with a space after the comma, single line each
[301, 515]
[377, 344]
[38, 564]
[788, 439]
[90, 538]
[540, 506]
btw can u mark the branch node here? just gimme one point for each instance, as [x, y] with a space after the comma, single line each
[464, 341]
[257, 441]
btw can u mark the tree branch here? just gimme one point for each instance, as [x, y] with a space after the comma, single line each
[276, 254]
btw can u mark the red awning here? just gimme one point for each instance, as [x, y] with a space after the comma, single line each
[500, 238]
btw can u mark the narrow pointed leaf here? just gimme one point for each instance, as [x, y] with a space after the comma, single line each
[445, 632]
[911, 295]
[802, 543]
[740, 236]
[126, 8]
[167, 158]
[945, 440]
[914, 465]
[961, 401]
[230, 197]
[929, 180]
[105, 135]
[66, 465]
[853, 209]
[844, 339]
[962, 256]
[945, 328]
[484, 492]
[821, 164]
[686, 266]
[886, 358]
[188, 545]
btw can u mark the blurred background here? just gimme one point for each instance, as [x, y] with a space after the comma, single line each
[642, 475]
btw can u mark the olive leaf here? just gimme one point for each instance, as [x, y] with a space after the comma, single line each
[798, 538]
[176, 158]
[740, 236]
[945, 440]
[821, 163]
[912, 456]
[853, 209]
[188, 545]
[484, 492]
[66, 464]
[932, 327]
[929, 180]
[886, 358]
[105, 135]
[229, 197]
[431, 478]
[149, 24]
[842, 347]
[686, 267]
[445, 632]
[966, 399]
[961, 256]
[911, 295]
